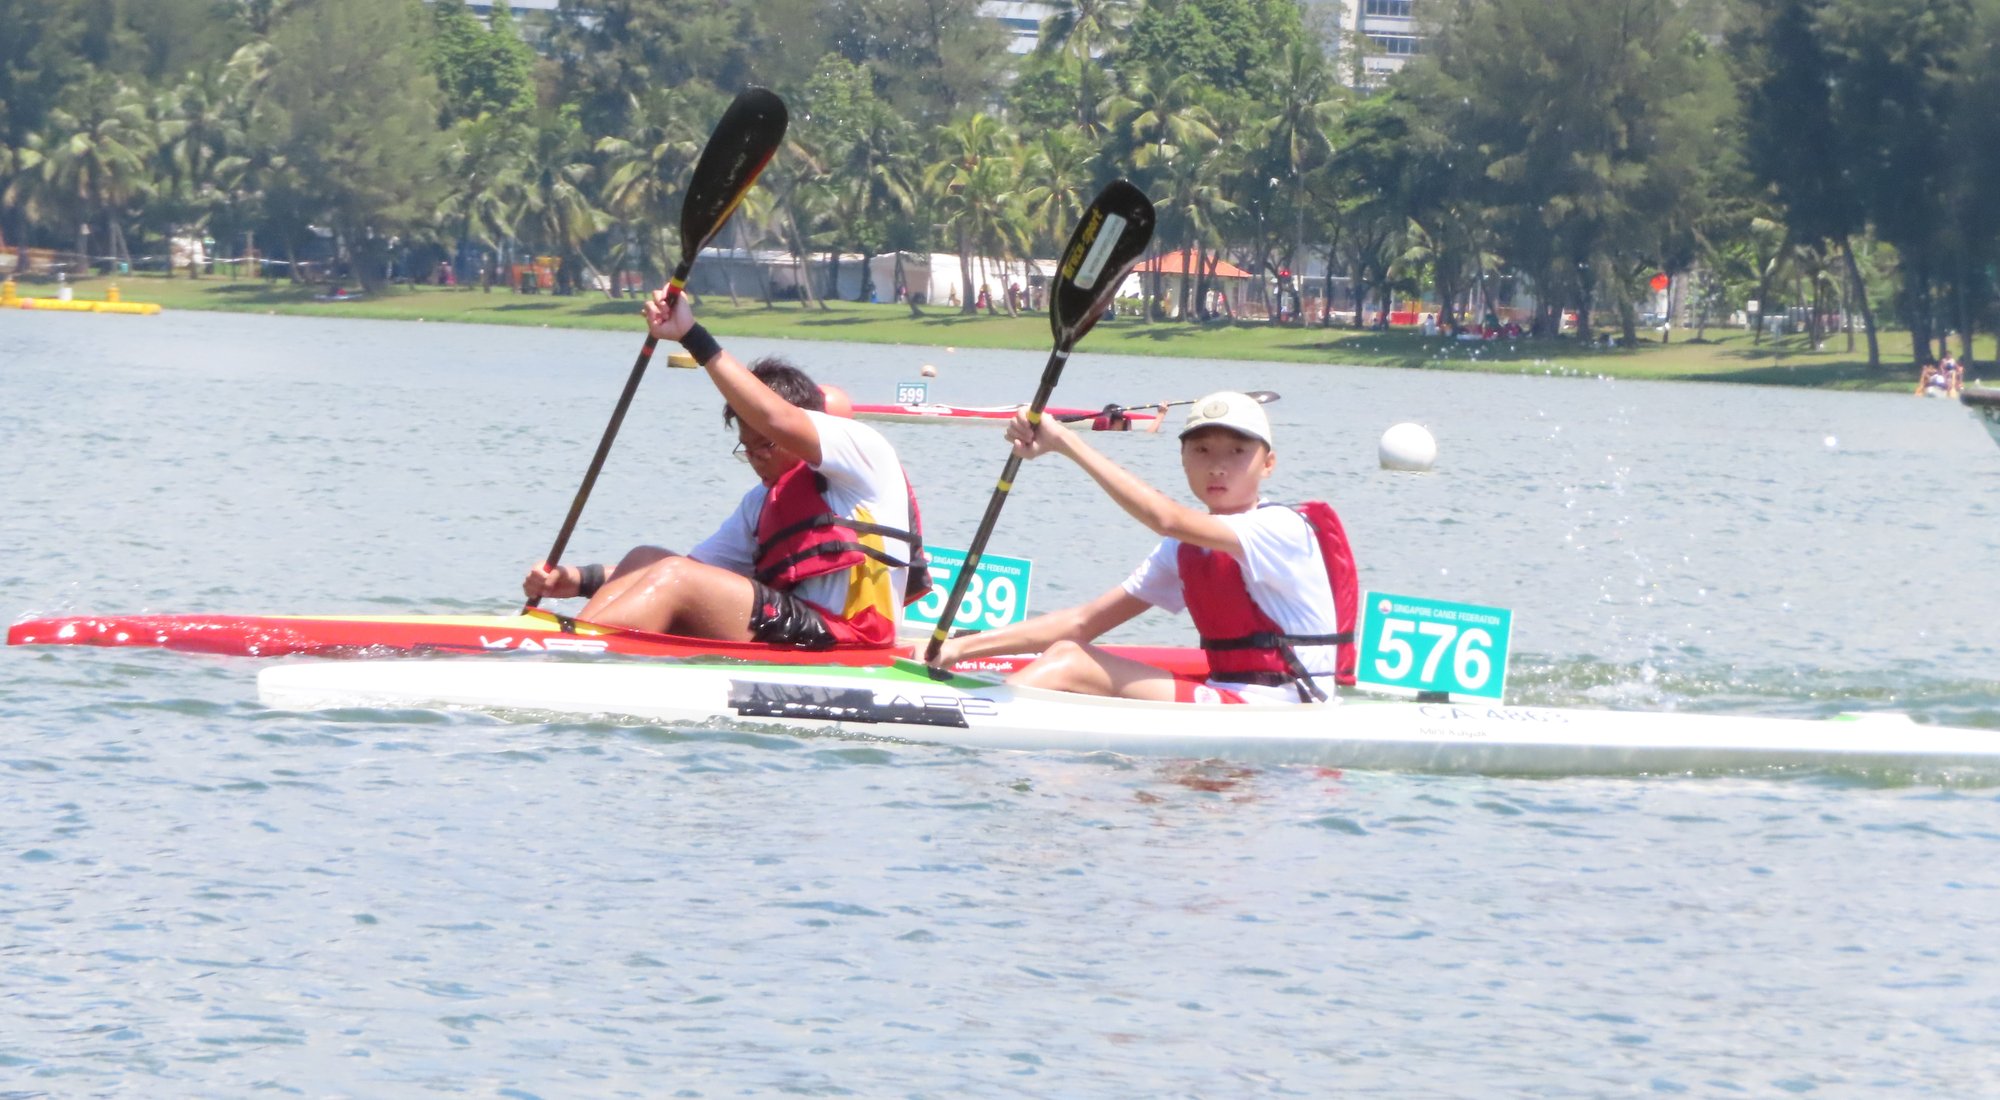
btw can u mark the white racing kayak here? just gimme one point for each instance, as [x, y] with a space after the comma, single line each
[901, 702]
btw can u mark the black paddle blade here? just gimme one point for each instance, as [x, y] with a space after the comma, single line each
[744, 141]
[1108, 240]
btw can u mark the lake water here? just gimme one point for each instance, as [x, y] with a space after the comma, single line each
[202, 897]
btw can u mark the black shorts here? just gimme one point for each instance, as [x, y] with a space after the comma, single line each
[780, 618]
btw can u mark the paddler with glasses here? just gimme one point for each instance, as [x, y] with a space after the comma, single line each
[825, 550]
[1271, 589]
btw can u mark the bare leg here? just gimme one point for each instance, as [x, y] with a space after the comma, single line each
[676, 595]
[1088, 670]
[625, 576]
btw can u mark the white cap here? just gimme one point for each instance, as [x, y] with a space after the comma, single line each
[1239, 412]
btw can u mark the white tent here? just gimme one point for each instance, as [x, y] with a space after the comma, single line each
[936, 276]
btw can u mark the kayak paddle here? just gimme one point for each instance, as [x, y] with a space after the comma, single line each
[742, 143]
[1263, 397]
[1107, 242]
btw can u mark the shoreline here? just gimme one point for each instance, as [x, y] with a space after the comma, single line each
[1728, 356]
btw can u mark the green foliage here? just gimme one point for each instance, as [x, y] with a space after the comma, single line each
[41, 55]
[933, 60]
[1225, 43]
[1579, 145]
[1589, 122]
[479, 71]
[350, 115]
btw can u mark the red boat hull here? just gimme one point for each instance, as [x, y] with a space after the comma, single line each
[534, 631]
[1138, 419]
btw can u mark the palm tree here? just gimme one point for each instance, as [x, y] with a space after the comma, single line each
[1193, 203]
[550, 206]
[90, 164]
[645, 167]
[1159, 111]
[875, 179]
[1308, 104]
[1063, 163]
[971, 189]
[199, 131]
[477, 206]
[1078, 31]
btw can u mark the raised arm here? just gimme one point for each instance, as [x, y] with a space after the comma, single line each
[1160, 513]
[756, 404]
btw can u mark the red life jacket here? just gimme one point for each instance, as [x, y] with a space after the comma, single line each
[1245, 645]
[799, 535]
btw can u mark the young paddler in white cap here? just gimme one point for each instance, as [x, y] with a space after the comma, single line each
[1271, 589]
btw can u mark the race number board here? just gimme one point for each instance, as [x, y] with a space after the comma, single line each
[912, 393]
[1414, 644]
[998, 594]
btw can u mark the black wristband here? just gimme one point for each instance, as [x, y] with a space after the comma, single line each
[700, 344]
[589, 578]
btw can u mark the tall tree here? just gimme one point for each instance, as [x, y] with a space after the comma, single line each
[350, 113]
[479, 70]
[1588, 119]
[1792, 143]
[1078, 32]
[975, 192]
[91, 166]
[933, 60]
[1896, 71]
[550, 207]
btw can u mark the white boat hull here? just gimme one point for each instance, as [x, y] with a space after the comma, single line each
[895, 703]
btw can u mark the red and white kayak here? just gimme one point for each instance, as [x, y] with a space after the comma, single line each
[1113, 418]
[536, 631]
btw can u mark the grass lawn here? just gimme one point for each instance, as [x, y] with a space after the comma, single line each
[1728, 355]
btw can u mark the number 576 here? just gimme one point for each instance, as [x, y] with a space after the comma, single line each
[1471, 652]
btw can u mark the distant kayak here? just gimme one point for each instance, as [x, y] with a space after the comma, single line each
[1114, 418]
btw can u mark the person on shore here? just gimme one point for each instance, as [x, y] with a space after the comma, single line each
[1271, 589]
[824, 551]
[1934, 378]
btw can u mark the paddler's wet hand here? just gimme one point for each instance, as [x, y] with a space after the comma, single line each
[668, 322]
[543, 582]
[1031, 441]
[948, 653]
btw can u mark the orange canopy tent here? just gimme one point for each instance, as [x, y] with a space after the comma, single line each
[1177, 263]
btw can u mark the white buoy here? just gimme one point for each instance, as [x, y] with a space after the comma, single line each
[928, 371]
[1408, 446]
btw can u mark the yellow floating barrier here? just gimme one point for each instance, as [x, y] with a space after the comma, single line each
[111, 304]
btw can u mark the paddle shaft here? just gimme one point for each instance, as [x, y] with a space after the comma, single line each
[1264, 397]
[987, 522]
[610, 434]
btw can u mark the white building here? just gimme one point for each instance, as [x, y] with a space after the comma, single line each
[1383, 31]
[1021, 19]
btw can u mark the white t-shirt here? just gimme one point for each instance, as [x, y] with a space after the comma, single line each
[1285, 574]
[864, 481]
